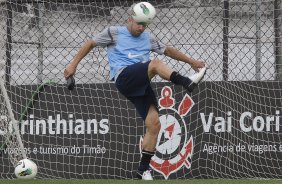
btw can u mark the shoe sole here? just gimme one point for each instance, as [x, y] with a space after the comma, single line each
[202, 76]
[193, 85]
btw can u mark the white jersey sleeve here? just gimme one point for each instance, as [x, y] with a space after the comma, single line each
[106, 37]
[157, 46]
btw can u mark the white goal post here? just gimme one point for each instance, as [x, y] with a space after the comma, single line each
[12, 143]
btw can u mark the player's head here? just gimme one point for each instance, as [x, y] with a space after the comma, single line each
[142, 14]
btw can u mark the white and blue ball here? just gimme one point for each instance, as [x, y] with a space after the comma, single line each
[26, 169]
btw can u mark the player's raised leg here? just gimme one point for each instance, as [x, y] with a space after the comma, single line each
[157, 67]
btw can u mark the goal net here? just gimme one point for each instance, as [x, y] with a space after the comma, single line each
[11, 143]
[229, 127]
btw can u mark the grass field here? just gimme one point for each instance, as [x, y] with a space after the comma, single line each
[200, 181]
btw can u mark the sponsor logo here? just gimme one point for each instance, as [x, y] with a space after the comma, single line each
[56, 125]
[174, 147]
[145, 9]
[248, 122]
[130, 55]
[25, 172]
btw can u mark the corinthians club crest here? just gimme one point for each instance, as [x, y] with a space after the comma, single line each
[174, 147]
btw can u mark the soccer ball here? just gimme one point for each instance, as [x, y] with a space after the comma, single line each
[26, 169]
[143, 12]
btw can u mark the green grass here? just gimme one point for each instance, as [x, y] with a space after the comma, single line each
[200, 181]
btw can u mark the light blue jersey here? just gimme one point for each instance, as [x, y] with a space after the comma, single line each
[125, 49]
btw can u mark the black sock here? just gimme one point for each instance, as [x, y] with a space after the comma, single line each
[178, 79]
[145, 160]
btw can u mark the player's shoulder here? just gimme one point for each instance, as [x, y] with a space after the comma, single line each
[151, 35]
[113, 29]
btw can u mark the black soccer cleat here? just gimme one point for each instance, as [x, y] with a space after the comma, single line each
[70, 83]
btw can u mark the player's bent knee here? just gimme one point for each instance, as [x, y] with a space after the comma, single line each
[154, 66]
[155, 63]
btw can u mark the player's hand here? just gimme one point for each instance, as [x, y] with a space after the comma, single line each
[196, 65]
[69, 71]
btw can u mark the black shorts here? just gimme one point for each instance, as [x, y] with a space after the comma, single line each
[133, 82]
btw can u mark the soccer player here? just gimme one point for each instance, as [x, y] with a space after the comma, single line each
[128, 50]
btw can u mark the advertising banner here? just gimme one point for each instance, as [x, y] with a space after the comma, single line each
[221, 130]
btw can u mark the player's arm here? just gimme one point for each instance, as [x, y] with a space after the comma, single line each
[102, 39]
[177, 55]
[83, 51]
